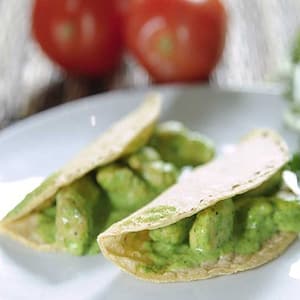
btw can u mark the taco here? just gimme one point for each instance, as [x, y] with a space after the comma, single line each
[224, 217]
[124, 169]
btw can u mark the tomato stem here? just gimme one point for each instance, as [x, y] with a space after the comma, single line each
[166, 45]
[65, 31]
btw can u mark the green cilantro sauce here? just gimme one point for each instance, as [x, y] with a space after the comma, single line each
[46, 228]
[240, 226]
[91, 204]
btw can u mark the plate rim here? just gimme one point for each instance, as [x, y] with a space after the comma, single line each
[26, 122]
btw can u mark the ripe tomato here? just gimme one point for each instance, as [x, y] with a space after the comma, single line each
[178, 40]
[82, 36]
[122, 6]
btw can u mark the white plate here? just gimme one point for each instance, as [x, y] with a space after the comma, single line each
[39, 145]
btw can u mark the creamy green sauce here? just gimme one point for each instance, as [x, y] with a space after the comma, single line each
[91, 204]
[239, 227]
[46, 228]
[287, 215]
[180, 146]
[168, 257]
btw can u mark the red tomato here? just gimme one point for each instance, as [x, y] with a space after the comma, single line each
[123, 6]
[82, 36]
[178, 40]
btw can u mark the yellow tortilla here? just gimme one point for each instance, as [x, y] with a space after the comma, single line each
[258, 156]
[125, 137]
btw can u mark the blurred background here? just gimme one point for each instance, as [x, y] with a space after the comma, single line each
[260, 36]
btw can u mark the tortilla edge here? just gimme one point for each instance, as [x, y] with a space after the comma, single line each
[4, 231]
[272, 249]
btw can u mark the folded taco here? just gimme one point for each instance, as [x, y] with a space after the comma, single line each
[124, 169]
[224, 217]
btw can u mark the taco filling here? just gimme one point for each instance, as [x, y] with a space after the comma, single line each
[236, 226]
[110, 193]
[230, 215]
[79, 211]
